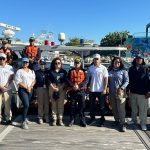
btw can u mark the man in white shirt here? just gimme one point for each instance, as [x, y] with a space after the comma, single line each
[98, 77]
[6, 77]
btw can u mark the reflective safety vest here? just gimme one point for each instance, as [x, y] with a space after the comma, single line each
[77, 77]
[31, 51]
[7, 52]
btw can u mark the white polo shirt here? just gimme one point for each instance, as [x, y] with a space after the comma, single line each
[5, 72]
[97, 76]
[25, 77]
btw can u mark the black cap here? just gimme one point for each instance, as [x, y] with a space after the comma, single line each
[42, 62]
[139, 56]
[31, 39]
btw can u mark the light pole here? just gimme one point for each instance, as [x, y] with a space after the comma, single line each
[121, 36]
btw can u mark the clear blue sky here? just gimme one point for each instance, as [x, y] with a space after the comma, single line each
[89, 19]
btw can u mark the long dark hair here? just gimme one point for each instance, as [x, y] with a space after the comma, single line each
[53, 63]
[112, 63]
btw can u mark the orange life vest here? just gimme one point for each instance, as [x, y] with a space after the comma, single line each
[77, 77]
[31, 51]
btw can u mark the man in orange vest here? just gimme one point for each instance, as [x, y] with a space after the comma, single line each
[33, 53]
[77, 83]
[8, 52]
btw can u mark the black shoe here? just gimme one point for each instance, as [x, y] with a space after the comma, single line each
[116, 123]
[122, 128]
[8, 122]
[91, 121]
[101, 122]
[83, 123]
[71, 123]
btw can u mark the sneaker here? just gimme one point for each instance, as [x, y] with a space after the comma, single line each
[91, 121]
[54, 123]
[143, 127]
[83, 123]
[7, 122]
[27, 121]
[132, 122]
[71, 123]
[40, 121]
[24, 125]
[61, 123]
[122, 128]
[116, 123]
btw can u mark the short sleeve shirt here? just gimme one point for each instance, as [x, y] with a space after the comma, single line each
[5, 72]
[97, 76]
[25, 77]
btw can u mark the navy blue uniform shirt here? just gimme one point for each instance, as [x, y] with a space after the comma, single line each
[41, 78]
[57, 77]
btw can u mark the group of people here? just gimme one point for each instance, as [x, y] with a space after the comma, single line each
[53, 83]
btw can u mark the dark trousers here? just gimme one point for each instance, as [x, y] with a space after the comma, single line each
[77, 103]
[25, 97]
[92, 99]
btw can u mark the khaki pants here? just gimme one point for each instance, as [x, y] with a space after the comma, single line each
[43, 102]
[5, 98]
[141, 103]
[58, 105]
[118, 108]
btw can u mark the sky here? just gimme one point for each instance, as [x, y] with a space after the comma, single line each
[87, 19]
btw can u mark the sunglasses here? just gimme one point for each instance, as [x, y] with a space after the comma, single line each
[25, 62]
[57, 63]
[2, 58]
[76, 62]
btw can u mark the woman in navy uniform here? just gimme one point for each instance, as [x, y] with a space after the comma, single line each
[42, 93]
[57, 82]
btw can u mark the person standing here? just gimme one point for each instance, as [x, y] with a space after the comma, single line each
[25, 79]
[57, 83]
[98, 81]
[118, 81]
[148, 93]
[138, 88]
[42, 92]
[76, 78]
[6, 78]
[33, 53]
[11, 56]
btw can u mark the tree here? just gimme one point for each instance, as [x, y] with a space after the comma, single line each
[114, 38]
[73, 42]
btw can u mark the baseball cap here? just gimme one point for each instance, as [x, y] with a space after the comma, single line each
[31, 39]
[96, 56]
[42, 62]
[77, 60]
[25, 59]
[2, 55]
[139, 56]
[4, 41]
